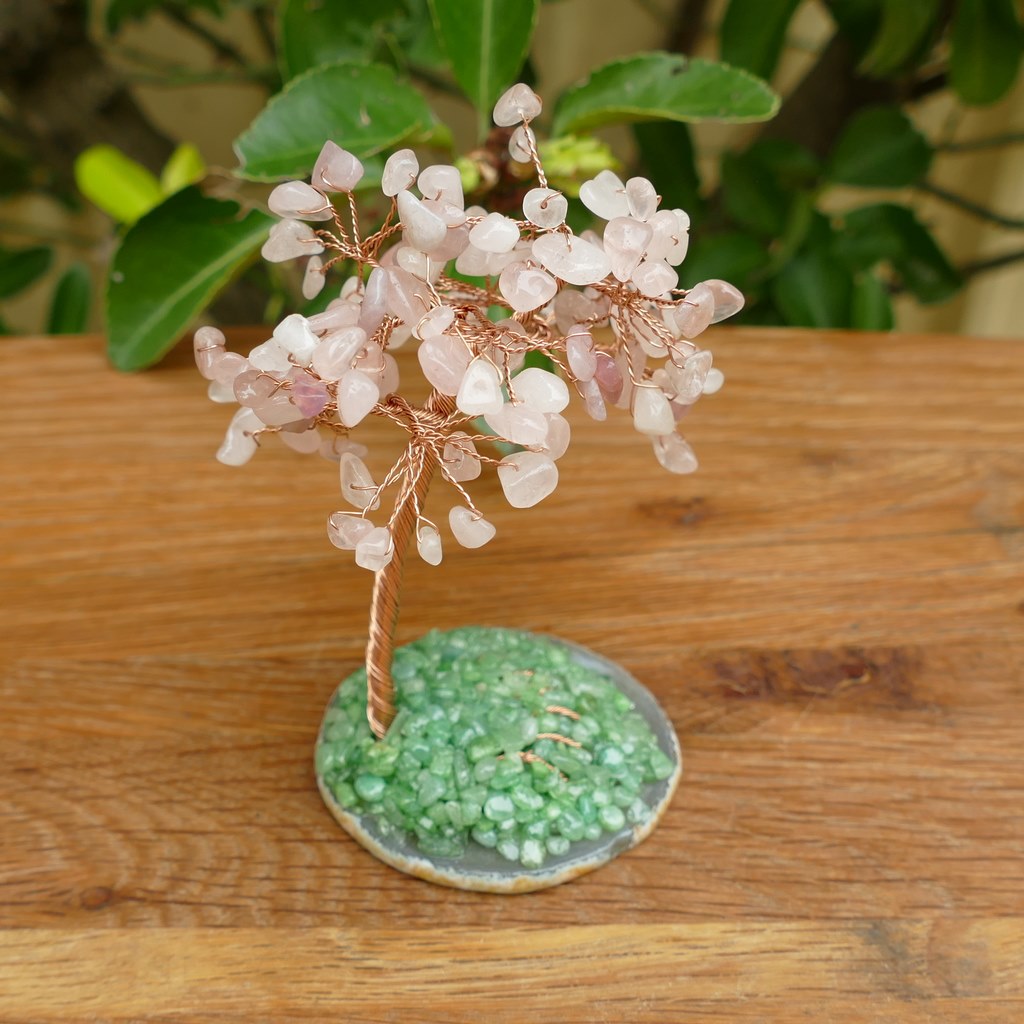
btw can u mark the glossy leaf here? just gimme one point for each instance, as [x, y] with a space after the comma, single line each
[667, 157]
[364, 108]
[652, 86]
[69, 310]
[814, 290]
[486, 42]
[753, 32]
[902, 37]
[20, 268]
[858, 22]
[751, 197]
[871, 306]
[185, 166]
[986, 50]
[892, 234]
[120, 11]
[115, 183]
[168, 268]
[880, 148]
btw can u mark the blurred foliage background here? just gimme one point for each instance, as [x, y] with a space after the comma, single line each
[888, 190]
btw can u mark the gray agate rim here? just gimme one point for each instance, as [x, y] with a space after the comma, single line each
[480, 869]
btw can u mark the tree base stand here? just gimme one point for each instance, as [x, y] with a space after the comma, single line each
[515, 761]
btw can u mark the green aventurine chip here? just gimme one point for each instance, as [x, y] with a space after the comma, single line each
[501, 739]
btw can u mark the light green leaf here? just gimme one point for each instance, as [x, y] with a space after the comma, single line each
[69, 310]
[315, 32]
[185, 166]
[890, 233]
[652, 86]
[753, 33]
[902, 37]
[814, 290]
[871, 308]
[880, 148]
[486, 42]
[986, 50]
[168, 268]
[362, 107]
[21, 267]
[116, 183]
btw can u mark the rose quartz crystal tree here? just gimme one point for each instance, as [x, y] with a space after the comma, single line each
[535, 286]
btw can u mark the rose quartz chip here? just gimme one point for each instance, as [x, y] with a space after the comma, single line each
[519, 423]
[270, 357]
[208, 345]
[696, 312]
[297, 338]
[522, 144]
[605, 195]
[651, 412]
[357, 486]
[357, 395]
[541, 390]
[423, 229]
[579, 349]
[461, 462]
[527, 478]
[654, 278]
[471, 531]
[408, 297]
[375, 550]
[572, 259]
[239, 445]
[480, 391]
[572, 307]
[441, 181]
[336, 169]
[625, 240]
[593, 401]
[675, 454]
[296, 199]
[313, 279]
[227, 366]
[337, 350]
[444, 360]
[346, 529]
[545, 207]
[290, 239]
[526, 288]
[399, 172]
[713, 382]
[339, 313]
[557, 442]
[495, 233]
[517, 103]
[428, 544]
[642, 198]
[728, 300]
[309, 395]
[670, 239]
[689, 379]
[305, 442]
[608, 377]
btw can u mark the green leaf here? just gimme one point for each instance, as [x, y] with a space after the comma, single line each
[751, 197]
[871, 306]
[21, 267]
[116, 183]
[185, 166]
[880, 148]
[486, 42]
[730, 255]
[814, 290]
[667, 156]
[120, 11]
[362, 107]
[892, 234]
[69, 310]
[650, 86]
[903, 36]
[986, 50]
[753, 32]
[858, 22]
[168, 268]
[315, 32]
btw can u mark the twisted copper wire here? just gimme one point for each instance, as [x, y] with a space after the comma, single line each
[380, 648]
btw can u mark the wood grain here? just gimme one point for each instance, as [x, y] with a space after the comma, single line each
[831, 610]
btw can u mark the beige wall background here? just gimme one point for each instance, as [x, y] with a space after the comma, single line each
[573, 36]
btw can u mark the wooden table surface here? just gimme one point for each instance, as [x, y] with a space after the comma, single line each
[831, 610]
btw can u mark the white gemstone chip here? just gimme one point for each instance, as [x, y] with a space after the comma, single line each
[696, 312]
[461, 462]
[471, 531]
[541, 390]
[675, 454]
[728, 299]
[651, 412]
[495, 233]
[357, 486]
[441, 181]
[654, 278]
[605, 195]
[357, 395]
[545, 207]
[526, 288]
[444, 360]
[480, 391]
[642, 198]
[337, 350]
[399, 172]
[423, 229]
[516, 104]
[522, 145]
[297, 338]
[572, 259]
[527, 478]
[346, 529]
[336, 169]
[376, 549]
[519, 423]
[296, 199]
[313, 280]
[290, 239]
[579, 350]
[239, 446]
[428, 544]
[625, 240]
[714, 381]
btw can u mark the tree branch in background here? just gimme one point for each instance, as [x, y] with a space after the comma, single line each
[991, 263]
[991, 142]
[687, 26]
[971, 207]
[63, 94]
[219, 46]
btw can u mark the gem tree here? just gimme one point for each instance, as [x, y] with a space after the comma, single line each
[520, 286]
